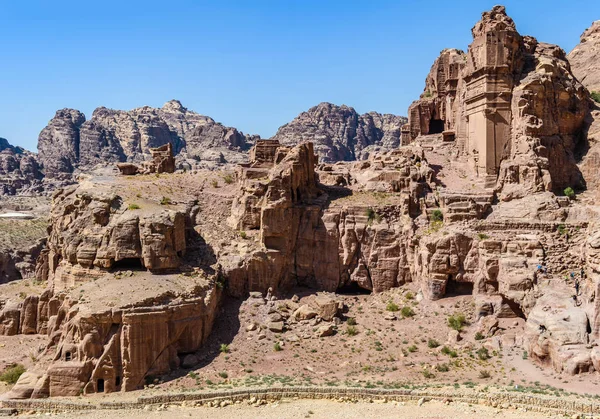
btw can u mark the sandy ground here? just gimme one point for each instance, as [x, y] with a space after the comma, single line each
[320, 409]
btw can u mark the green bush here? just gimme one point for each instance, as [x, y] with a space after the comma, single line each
[215, 183]
[483, 236]
[450, 352]
[243, 235]
[351, 331]
[407, 312]
[228, 179]
[165, 200]
[372, 216]
[432, 343]
[223, 374]
[596, 96]
[351, 321]
[133, 206]
[428, 374]
[224, 348]
[277, 347]
[570, 192]
[442, 368]
[409, 296]
[483, 354]
[412, 348]
[479, 336]
[12, 373]
[437, 215]
[392, 306]
[457, 321]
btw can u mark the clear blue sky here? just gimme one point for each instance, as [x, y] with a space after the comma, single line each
[250, 64]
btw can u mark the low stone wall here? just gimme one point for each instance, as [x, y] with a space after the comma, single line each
[508, 400]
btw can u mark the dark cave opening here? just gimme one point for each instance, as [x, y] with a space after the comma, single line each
[100, 385]
[458, 288]
[352, 288]
[436, 126]
[131, 264]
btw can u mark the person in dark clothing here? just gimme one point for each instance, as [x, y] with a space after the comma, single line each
[577, 287]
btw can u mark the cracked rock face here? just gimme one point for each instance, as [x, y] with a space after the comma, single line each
[584, 58]
[339, 133]
[19, 170]
[70, 142]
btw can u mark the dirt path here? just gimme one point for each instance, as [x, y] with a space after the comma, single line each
[320, 409]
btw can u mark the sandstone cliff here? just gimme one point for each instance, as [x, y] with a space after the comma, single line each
[584, 58]
[339, 133]
[511, 104]
[19, 170]
[70, 142]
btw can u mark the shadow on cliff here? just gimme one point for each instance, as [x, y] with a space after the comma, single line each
[199, 253]
[437, 168]
[226, 326]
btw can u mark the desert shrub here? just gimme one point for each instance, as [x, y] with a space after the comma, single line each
[432, 343]
[12, 373]
[562, 229]
[412, 348]
[428, 374]
[483, 354]
[228, 179]
[409, 295]
[351, 321]
[442, 368]
[479, 336]
[133, 206]
[243, 235]
[407, 312]
[457, 321]
[595, 96]
[351, 331]
[483, 236]
[372, 216]
[214, 183]
[427, 94]
[277, 347]
[484, 374]
[569, 192]
[437, 215]
[224, 348]
[392, 306]
[524, 355]
[165, 200]
[223, 374]
[450, 352]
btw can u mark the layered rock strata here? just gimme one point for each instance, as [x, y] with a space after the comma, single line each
[512, 105]
[339, 133]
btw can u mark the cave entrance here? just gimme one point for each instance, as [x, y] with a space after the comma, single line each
[352, 288]
[100, 385]
[118, 381]
[67, 356]
[436, 126]
[458, 288]
[131, 264]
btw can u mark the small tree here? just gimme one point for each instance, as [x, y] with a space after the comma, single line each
[570, 192]
[596, 96]
[457, 321]
[437, 215]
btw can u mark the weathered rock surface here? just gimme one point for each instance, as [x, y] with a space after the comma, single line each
[19, 170]
[70, 142]
[584, 58]
[339, 133]
[511, 104]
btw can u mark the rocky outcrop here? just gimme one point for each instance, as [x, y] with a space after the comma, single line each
[584, 58]
[512, 105]
[91, 232]
[162, 162]
[339, 133]
[70, 142]
[19, 170]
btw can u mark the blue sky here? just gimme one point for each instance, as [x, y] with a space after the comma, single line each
[253, 65]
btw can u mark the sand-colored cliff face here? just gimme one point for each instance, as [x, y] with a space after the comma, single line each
[512, 105]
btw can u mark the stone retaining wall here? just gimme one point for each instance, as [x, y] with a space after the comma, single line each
[531, 402]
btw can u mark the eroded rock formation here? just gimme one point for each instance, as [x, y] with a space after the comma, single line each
[339, 133]
[512, 105]
[584, 58]
[19, 170]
